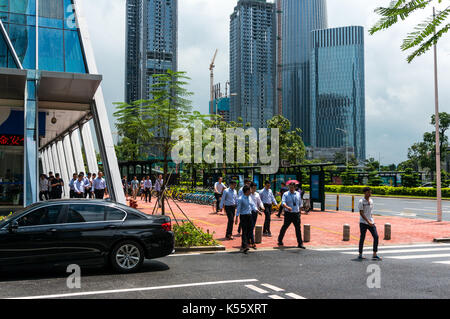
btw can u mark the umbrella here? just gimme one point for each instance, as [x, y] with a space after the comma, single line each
[292, 181]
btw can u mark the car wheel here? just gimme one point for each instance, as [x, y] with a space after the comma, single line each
[127, 256]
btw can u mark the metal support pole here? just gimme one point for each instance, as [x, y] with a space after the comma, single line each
[91, 156]
[353, 204]
[63, 166]
[68, 154]
[55, 159]
[337, 202]
[77, 151]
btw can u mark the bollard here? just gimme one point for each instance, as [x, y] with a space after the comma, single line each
[306, 233]
[258, 234]
[337, 202]
[346, 232]
[387, 231]
[353, 204]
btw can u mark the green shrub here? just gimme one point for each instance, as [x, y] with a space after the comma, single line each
[186, 235]
[387, 190]
[3, 217]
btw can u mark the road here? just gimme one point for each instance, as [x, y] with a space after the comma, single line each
[404, 207]
[419, 271]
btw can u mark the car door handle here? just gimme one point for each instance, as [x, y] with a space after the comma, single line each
[111, 227]
[52, 231]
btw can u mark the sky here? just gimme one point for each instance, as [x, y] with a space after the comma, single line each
[399, 96]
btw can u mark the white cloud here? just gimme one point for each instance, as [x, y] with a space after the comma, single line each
[399, 96]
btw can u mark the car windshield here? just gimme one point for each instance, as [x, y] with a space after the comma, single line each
[11, 216]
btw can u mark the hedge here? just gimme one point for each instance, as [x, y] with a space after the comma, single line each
[386, 190]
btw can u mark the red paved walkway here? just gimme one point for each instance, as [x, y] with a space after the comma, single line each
[326, 227]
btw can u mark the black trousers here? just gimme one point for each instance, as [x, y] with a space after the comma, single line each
[267, 213]
[254, 219]
[148, 194]
[231, 212]
[373, 230]
[43, 196]
[288, 219]
[71, 193]
[246, 224]
[99, 193]
[218, 198]
[76, 195]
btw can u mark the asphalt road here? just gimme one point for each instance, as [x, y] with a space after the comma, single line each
[419, 271]
[409, 208]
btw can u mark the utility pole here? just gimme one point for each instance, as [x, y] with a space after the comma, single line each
[438, 146]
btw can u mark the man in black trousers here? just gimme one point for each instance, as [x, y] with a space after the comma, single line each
[229, 201]
[291, 202]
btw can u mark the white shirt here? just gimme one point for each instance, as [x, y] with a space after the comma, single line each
[219, 187]
[43, 185]
[367, 207]
[257, 200]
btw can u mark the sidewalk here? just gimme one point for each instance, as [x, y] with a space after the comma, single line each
[326, 227]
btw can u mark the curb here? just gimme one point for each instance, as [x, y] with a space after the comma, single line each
[442, 240]
[202, 249]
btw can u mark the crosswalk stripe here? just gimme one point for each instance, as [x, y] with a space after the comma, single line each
[447, 262]
[420, 256]
[397, 251]
[383, 247]
[295, 296]
[272, 287]
[259, 290]
[275, 297]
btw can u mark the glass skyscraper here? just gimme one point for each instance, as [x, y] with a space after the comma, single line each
[151, 44]
[338, 90]
[49, 95]
[300, 17]
[253, 62]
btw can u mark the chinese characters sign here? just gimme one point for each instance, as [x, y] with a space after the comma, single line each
[11, 140]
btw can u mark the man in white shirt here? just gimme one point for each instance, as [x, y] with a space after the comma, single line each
[43, 188]
[366, 222]
[219, 187]
[260, 206]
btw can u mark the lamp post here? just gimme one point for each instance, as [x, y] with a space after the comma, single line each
[346, 144]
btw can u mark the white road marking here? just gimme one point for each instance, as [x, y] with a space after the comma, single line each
[447, 262]
[383, 247]
[101, 292]
[275, 297]
[272, 287]
[397, 251]
[259, 290]
[182, 255]
[292, 295]
[420, 256]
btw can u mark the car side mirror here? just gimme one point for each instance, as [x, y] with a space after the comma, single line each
[13, 226]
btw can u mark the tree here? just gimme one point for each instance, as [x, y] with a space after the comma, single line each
[374, 179]
[410, 178]
[425, 34]
[372, 165]
[292, 147]
[349, 176]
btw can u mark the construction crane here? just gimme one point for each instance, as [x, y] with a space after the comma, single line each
[211, 68]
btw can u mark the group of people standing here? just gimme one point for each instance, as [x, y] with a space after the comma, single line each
[50, 186]
[142, 188]
[243, 208]
[89, 186]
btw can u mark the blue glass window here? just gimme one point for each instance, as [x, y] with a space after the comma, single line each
[3, 53]
[69, 15]
[73, 56]
[4, 5]
[23, 6]
[23, 39]
[51, 50]
[50, 22]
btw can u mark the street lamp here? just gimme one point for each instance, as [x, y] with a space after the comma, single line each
[346, 144]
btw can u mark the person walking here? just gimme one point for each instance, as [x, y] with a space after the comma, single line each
[148, 189]
[366, 223]
[50, 179]
[260, 208]
[99, 186]
[71, 185]
[43, 188]
[92, 193]
[244, 209]
[240, 193]
[268, 199]
[79, 186]
[158, 187]
[219, 187]
[229, 202]
[87, 185]
[57, 187]
[291, 202]
[134, 187]
[283, 190]
[125, 186]
[141, 191]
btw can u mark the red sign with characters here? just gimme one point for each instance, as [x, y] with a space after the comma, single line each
[11, 140]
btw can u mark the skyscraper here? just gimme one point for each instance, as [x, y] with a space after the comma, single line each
[300, 17]
[151, 44]
[338, 90]
[253, 62]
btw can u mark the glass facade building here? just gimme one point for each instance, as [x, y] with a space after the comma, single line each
[300, 17]
[338, 89]
[151, 44]
[49, 93]
[253, 62]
